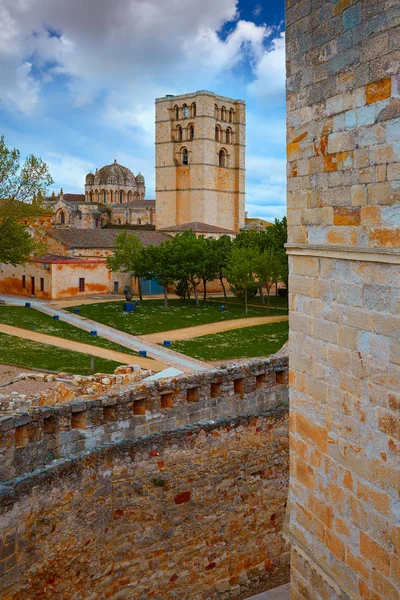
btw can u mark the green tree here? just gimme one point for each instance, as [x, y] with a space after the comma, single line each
[21, 193]
[159, 263]
[222, 248]
[267, 269]
[241, 270]
[189, 259]
[128, 257]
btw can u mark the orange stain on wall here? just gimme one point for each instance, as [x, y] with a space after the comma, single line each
[379, 90]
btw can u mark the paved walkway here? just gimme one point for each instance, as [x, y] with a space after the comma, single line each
[164, 355]
[210, 328]
[280, 593]
[52, 340]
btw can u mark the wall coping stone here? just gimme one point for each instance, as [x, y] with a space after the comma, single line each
[381, 255]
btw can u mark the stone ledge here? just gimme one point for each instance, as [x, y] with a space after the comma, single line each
[380, 255]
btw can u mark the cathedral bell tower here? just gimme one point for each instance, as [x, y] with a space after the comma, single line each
[200, 160]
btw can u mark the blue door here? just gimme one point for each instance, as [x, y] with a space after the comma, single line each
[150, 287]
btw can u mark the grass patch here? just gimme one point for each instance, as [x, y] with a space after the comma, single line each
[29, 318]
[151, 316]
[249, 342]
[17, 351]
[278, 304]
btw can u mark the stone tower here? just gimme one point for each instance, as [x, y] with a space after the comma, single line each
[343, 89]
[200, 160]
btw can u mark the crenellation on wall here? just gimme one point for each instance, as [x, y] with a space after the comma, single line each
[137, 411]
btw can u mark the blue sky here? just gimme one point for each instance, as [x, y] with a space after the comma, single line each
[79, 79]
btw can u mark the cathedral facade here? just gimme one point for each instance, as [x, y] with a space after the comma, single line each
[113, 196]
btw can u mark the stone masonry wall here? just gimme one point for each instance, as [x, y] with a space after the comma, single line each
[185, 505]
[343, 101]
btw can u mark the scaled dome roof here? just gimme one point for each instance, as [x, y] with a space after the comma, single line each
[114, 174]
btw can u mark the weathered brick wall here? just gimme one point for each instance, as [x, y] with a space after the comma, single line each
[344, 238]
[193, 510]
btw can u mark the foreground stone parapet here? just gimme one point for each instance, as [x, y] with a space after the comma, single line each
[33, 439]
[175, 490]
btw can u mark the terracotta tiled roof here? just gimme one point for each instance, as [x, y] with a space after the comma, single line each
[74, 197]
[58, 258]
[198, 228]
[102, 238]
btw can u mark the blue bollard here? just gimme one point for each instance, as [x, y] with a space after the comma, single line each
[128, 307]
[93, 333]
[142, 353]
[76, 311]
[167, 343]
[27, 304]
[56, 317]
[223, 308]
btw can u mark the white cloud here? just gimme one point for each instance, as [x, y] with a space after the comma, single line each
[270, 72]
[121, 47]
[68, 169]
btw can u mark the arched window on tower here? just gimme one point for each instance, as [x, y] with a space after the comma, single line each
[62, 218]
[139, 221]
[176, 109]
[98, 196]
[218, 133]
[111, 196]
[179, 133]
[231, 114]
[215, 111]
[185, 156]
[120, 197]
[193, 110]
[223, 113]
[223, 158]
[185, 111]
[104, 197]
[190, 131]
[229, 136]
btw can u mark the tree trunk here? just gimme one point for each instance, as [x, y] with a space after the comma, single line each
[140, 289]
[245, 300]
[262, 294]
[268, 297]
[196, 295]
[223, 285]
[205, 289]
[165, 288]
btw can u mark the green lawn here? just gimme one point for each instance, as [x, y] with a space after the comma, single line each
[29, 318]
[152, 317]
[17, 351]
[249, 342]
[278, 305]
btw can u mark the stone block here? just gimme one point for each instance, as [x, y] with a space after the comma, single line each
[378, 90]
[346, 216]
[339, 142]
[305, 265]
[352, 16]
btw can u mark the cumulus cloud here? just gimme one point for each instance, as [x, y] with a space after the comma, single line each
[68, 169]
[270, 72]
[120, 47]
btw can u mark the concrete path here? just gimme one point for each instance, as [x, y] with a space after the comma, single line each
[164, 355]
[210, 328]
[52, 340]
[280, 593]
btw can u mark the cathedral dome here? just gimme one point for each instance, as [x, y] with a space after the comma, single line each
[115, 174]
